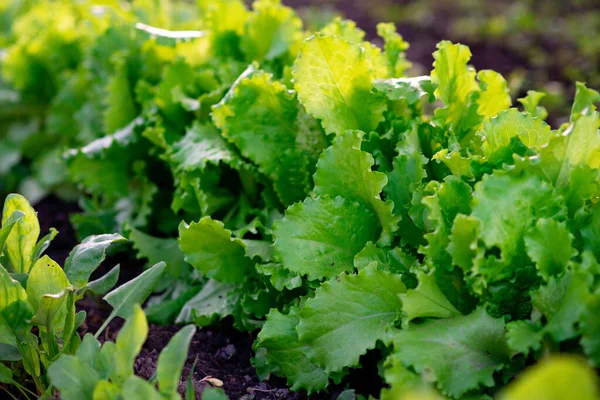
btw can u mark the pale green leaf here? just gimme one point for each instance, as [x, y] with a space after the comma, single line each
[21, 241]
[455, 80]
[555, 378]
[333, 78]
[498, 132]
[137, 388]
[494, 96]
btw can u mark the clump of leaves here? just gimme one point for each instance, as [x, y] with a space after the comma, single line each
[38, 319]
[341, 207]
[106, 371]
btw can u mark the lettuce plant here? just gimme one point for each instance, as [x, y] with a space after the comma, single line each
[340, 207]
[38, 319]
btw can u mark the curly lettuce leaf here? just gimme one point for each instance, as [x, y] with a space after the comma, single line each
[347, 317]
[320, 237]
[461, 353]
[333, 78]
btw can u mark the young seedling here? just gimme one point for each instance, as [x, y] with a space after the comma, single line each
[38, 319]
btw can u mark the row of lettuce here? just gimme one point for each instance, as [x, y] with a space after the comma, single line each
[329, 202]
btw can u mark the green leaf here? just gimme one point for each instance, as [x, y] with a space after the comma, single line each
[590, 328]
[129, 343]
[202, 144]
[459, 166]
[103, 284]
[549, 245]
[409, 89]
[156, 250]
[21, 241]
[286, 355]
[73, 378]
[15, 310]
[426, 300]
[136, 291]
[522, 336]
[137, 388]
[555, 378]
[87, 256]
[6, 375]
[563, 302]
[43, 244]
[171, 361]
[209, 247]
[120, 107]
[213, 301]
[89, 350]
[461, 353]
[320, 237]
[333, 78]
[494, 96]
[8, 226]
[531, 104]
[522, 201]
[454, 79]
[497, 133]
[348, 315]
[443, 202]
[46, 292]
[260, 117]
[345, 170]
[214, 394]
[395, 47]
[580, 145]
[272, 31]
[583, 104]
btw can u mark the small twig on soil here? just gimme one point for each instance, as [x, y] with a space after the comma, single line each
[270, 391]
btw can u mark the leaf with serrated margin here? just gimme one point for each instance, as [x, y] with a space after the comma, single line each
[348, 315]
[202, 144]
[497, 133]
[209, 247]
[345, 170]
[426, 300]
[320, 237]
[259, 116]
[494, 96]
[333, 78]
[462, 353]
[286, 355]
[549, 245]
